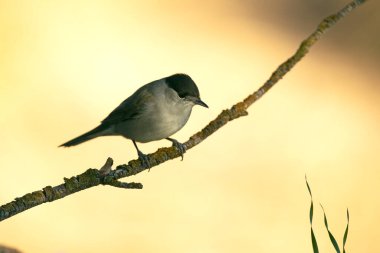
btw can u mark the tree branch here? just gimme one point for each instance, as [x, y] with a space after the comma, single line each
[107, 176]
[5, 249]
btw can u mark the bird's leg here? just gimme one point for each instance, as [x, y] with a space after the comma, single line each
[143, 157]
[181, 147]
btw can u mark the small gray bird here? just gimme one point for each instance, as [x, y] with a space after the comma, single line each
[155, 111]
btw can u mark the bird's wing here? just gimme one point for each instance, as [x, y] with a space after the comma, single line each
[130, 108]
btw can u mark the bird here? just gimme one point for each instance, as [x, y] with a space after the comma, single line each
[154, 112]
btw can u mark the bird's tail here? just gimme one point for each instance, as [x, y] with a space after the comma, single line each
[96, 132]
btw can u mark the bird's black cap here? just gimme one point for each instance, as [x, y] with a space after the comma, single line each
[183, 85]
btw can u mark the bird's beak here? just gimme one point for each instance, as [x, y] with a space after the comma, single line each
[200, 102]
[196, 101]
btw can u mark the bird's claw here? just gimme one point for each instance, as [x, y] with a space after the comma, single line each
[144, 160]
[181, 147]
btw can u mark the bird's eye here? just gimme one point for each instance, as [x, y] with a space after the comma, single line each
[183, 94]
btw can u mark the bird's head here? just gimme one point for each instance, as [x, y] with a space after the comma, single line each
[186, 88]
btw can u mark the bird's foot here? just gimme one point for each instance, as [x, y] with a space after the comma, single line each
[144, 160]
[181, 147]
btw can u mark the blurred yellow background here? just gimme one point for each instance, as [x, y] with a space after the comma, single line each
[64, 65]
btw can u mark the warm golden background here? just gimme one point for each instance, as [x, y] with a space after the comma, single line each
[64, 65]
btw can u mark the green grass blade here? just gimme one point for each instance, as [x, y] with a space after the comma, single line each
[311, 205]
[308, 187]
[314, 242]
[311, 212]
[332, 238]
[346, 232]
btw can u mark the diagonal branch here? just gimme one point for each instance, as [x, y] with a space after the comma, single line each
[107, 176]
